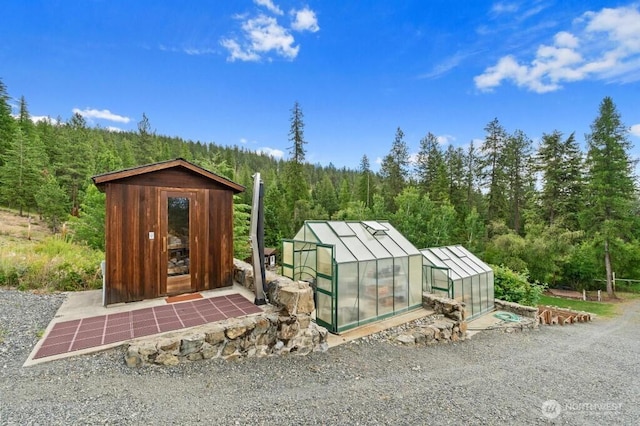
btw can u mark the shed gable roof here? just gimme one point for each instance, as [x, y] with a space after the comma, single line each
[179, 163]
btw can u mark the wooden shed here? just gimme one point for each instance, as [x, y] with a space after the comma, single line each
[169, 230]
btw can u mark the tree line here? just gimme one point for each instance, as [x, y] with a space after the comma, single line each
[560, 214]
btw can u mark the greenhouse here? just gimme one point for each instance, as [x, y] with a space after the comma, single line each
[361, 271]
[456, 273]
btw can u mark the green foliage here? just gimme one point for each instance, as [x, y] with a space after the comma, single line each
[54, 264]
[241, 229]
[88, 227]
[53, 203]
[515, 287]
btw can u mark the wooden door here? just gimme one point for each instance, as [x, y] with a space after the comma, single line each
[178, 232]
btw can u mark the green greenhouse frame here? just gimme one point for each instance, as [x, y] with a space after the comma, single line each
[455, 272]
[362, 271]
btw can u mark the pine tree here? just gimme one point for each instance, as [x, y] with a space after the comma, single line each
[610, 188]
[297, 182]
[53, 202]
[493, 172]
[518, 170]
[560, 165]
[365, 182]
[7, 123]
[21, 174]
[394, 170]
[431, 170]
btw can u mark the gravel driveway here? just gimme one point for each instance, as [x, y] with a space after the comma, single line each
[591, 370]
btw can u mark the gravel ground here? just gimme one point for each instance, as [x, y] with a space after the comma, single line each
[591, 370]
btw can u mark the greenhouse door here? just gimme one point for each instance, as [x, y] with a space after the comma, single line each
[325, 288]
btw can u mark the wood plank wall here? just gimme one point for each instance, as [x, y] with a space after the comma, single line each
[133, 260]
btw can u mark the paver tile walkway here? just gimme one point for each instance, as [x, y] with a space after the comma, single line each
[70, 336]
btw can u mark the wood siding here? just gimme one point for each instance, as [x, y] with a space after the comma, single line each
[135, 264]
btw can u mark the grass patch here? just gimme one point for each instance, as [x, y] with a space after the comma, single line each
[604, 309]
[53, 264]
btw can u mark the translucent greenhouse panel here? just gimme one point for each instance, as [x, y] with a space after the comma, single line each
[347, 289]
[415, 280]
[401, 283]
[368, 291]
[440, 282]
[287, 252]
[287, 271]
[466, 291]
[325, 260]
[385, 286]
[305, 264]
[491, 289]
[323, 310]
[475, 294]
[357, 248]
[458, 293]
[324, 283]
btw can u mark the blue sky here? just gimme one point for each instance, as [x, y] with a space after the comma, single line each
[229, 72]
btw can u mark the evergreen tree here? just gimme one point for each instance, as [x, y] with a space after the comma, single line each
[394, 170]
[88, 227]
[454, 159]
[493, 171]
[297, 183]
[610, 187]
[53, 202]
[518, 170]
[21, 174]
[325, 195]
[7, 123]
[431, 170]
[365, 182]
[560, 165]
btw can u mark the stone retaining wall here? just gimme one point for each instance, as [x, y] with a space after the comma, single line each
[285, 327]
[523, 311]
[528, 317]
[448, 323]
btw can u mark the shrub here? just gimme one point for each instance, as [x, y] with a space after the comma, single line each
[54, 264]
[515, 287]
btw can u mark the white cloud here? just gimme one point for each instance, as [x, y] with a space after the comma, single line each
[604, 46]
[445, 139]
[236, 52]
[114, 129]
[305, 20]
[500, 8]
[243, 141]
[635, 130]
[269, 5]
[262, 34]
[103, 114]
[271, 152]
[45, 118]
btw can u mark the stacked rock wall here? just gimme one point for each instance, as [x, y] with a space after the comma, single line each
[285, 327]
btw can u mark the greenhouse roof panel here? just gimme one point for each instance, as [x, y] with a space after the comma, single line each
[326, 235]
[369, 240]
[354, 240]
[400, 239]
[461, 262]
[341, 228]
[357, 248]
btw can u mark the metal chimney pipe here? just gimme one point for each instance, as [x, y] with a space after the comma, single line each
[257, 241]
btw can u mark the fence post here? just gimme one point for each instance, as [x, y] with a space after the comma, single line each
[599, 296]
[584, 294]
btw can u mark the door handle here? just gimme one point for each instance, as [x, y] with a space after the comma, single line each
[164, 244]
